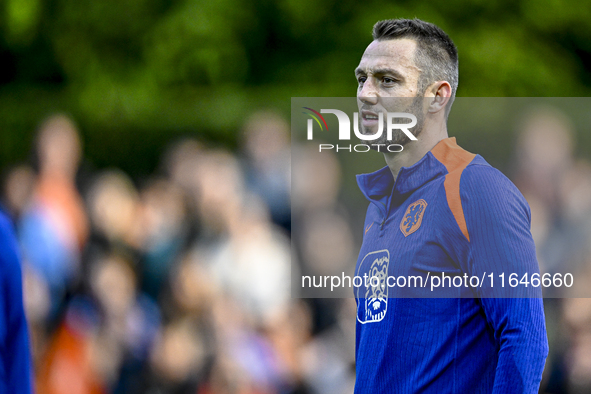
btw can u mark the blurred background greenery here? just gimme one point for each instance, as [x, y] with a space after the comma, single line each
[136, 73]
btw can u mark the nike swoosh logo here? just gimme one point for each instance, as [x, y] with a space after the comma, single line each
[368, 227]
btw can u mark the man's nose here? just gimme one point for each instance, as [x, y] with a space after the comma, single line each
[368, 93]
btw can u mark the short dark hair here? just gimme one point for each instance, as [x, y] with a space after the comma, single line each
[436, 53]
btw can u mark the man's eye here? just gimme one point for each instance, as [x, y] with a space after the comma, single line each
[361, 80]
[388, 80]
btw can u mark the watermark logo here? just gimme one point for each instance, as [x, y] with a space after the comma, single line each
[391, 124]
[315, 115]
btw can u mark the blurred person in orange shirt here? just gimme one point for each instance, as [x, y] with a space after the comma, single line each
[54, 227]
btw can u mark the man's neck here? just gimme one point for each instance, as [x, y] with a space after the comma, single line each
[415, 150]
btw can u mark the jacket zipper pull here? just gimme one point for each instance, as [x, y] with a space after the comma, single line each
[382, 224]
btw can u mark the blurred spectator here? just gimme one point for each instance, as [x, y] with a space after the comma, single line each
[178, 360]
[558, 189]
[329, 359]
[180, 163]
[54, 227]
[70, 364]
[220, 186]
[164, 215]
[544, 157]
[114, 208]
[192, 290]
[321, 234]
[130, 322]
[327, 244]
[316, 179]
[268, 172]
[18, 190]
[544, 153]
[249, 257]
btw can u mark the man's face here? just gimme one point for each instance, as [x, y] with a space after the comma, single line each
[388, 79]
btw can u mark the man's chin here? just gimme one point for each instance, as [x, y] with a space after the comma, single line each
[369, 131]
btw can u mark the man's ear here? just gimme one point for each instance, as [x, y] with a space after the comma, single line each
[441, 93]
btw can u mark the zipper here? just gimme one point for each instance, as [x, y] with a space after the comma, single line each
[388, 208]
[383, 209]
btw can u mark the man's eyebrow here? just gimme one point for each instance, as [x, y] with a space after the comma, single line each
[379, 71]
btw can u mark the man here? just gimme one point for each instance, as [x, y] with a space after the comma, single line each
[438, 209]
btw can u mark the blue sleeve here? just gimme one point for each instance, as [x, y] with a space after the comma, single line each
[15, 351]
[498, 223]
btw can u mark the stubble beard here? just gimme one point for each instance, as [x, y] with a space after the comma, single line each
[398, 136]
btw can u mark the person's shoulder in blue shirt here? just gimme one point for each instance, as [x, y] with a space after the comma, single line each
[15, 358]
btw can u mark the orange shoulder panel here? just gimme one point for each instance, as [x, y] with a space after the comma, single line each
[455, 159]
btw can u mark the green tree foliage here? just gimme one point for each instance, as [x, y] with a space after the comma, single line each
[136, 73]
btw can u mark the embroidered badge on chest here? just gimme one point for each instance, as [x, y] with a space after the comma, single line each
[413, 217]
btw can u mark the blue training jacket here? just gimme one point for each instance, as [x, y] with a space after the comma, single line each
[15, 359]
[449, 213]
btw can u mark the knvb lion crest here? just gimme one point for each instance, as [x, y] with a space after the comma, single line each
[413, 217]
[376, 295]
[372, 295]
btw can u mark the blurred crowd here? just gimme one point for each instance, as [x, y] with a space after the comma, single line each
[557, 186]
[180, 283]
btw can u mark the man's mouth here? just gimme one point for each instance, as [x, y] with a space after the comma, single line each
[369, 119]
